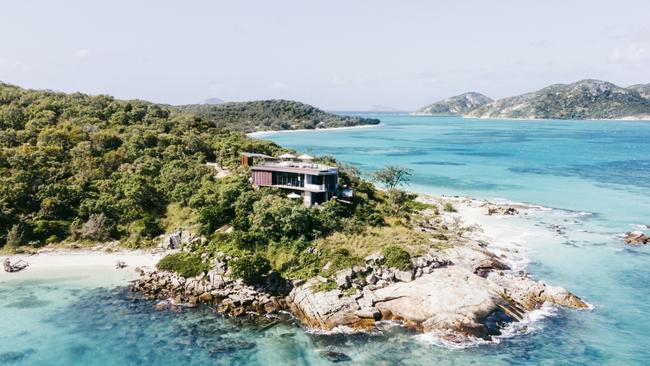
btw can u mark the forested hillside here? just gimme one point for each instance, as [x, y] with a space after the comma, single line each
[93, 167]
[266, 115]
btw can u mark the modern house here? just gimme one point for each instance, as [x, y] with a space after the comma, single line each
[314, 183]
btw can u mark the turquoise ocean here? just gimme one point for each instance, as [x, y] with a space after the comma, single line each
[592, 178]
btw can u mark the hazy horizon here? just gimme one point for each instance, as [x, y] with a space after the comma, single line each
[334, 55]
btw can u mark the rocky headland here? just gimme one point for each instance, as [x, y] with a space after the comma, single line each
[461, 292]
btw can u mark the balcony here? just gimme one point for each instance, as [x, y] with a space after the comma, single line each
[315, 187]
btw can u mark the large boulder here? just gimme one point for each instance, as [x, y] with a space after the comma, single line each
[449, 298]
[325, 309]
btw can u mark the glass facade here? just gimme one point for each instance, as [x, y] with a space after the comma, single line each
[288, 179]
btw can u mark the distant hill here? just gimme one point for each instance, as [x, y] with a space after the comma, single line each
[643, 89]
[266, 115]
[213, 101]
[455, 106]
[585, 99]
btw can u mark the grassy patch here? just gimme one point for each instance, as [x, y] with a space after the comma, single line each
[340, 259]
[420, 206]
[184, 264]
[440, 236]
[374, 238]
[177, 216]
[448, 207]
[350, 292]
[329, 285]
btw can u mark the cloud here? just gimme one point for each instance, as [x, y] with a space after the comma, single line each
[633, 53]
[82, 53]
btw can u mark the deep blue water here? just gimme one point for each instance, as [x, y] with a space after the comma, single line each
[594, 174]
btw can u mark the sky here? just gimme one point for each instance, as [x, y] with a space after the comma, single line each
[337, 55]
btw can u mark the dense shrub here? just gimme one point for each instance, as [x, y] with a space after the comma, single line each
[184, 264]
[96, 228]
[340, 259]
[15, 237]
[250, 267]
[396, 257]
[448, 207]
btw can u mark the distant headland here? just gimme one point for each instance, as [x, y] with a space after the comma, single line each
[585, 99]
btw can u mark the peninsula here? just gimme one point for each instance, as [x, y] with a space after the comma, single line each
[80, 170]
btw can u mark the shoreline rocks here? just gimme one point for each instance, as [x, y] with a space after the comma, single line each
[453, 299]
[636, 238]
[453, 292]
[228, 297]
[456, 292]
[501, 210]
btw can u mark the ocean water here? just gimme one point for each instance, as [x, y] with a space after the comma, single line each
[592, 176]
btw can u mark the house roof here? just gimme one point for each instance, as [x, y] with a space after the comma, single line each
[296, 167]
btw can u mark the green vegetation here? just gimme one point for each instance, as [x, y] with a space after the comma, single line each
[585, 99]
[80, 169]
[266, 115]
[251, 267]
[393, 176]
[420, 206]
[396, 257]
[448, 207]
[185, 264]
[328, 285]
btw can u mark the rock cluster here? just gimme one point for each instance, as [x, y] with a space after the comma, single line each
[501, 210]
[229, 297]
[636, 238]
[375, 275]
[176, 239]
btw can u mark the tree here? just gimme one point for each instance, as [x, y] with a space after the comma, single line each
[393, 176]
[15, 237]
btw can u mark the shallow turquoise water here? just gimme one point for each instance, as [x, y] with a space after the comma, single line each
[596, 176]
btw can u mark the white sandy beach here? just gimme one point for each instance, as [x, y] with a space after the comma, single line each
[82, 263]
[262, 133]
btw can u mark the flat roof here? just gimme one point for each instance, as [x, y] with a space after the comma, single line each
[296, 167]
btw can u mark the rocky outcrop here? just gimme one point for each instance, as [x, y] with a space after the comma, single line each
[501, 210]
[229, 297]
[636, 238]
[454, 296]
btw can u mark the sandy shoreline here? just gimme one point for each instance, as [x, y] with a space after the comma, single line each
[81, 262]
[263, 133]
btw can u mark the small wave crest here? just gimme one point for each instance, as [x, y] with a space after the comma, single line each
[531, 323]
